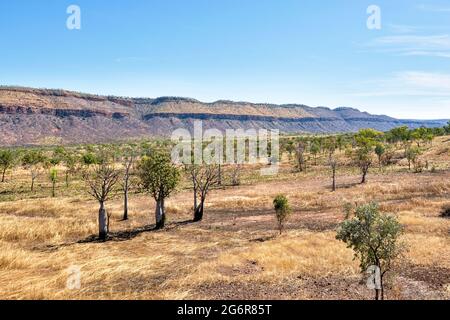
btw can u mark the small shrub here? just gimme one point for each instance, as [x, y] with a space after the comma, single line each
[282, 210]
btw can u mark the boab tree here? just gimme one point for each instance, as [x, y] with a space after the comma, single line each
[101, 179]
[203, 178]
[374, 238]
[159, 177]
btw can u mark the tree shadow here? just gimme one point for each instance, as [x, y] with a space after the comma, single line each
[120, 236]
[348, 185]
[126, 235]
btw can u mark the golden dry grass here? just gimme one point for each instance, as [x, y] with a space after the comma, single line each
[234, 252]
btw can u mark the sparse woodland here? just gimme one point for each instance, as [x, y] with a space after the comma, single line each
[140, 226]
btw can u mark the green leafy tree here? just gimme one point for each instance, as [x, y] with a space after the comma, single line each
[159, 177]
[374, 238]
[380, 150]
[412, 154]
[366, 139]
[7, 161]
[282, 211]
[34, 161]
[89, 158]
[53, 175]
[315, 149]
[399, 134]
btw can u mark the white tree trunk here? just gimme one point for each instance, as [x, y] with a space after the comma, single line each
[102, 222]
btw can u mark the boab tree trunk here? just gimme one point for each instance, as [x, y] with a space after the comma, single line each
[102, 222]
[160, 214]
[198, 214]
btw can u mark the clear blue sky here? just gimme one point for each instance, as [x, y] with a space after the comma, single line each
[319, 53]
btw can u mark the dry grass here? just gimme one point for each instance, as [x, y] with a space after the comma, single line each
[234, 252]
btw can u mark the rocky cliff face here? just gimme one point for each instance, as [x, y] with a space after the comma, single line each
[35, 116]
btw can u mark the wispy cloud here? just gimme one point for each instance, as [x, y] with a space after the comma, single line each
[435, 81]
[400, 28]
[418, 42]
[408, 83]
[427, 53]
[414, 45]
[433, 8]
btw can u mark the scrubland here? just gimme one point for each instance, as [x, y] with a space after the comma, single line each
[236, 252]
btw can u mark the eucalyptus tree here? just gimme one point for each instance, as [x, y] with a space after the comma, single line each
[282, 211]
[53, 175]
[380, 150]
[7, 161]
[365, 140]
[374, 238]
[128, 157]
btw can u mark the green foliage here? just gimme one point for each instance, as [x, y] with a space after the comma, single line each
[400, 134]
[412, 153]
[282, 210]
[7, 160]
[374, 237]
[53, 175]
[158, 175]
[447, 128]
[33, 158]
[380, 150]
[89, 158]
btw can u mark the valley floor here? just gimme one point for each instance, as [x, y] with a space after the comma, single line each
[235, 253]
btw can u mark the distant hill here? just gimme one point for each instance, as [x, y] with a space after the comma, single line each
[36, 116]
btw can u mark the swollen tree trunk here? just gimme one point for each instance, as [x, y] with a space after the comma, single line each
[102, 222]
[377, 294]
[160, 214]
[198, 215]
[53, 189]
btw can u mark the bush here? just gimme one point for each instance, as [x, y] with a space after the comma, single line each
[282, 210]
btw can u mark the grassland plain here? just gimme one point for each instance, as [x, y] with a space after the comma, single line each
[235, 252]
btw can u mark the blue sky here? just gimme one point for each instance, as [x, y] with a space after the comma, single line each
[318, 53]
